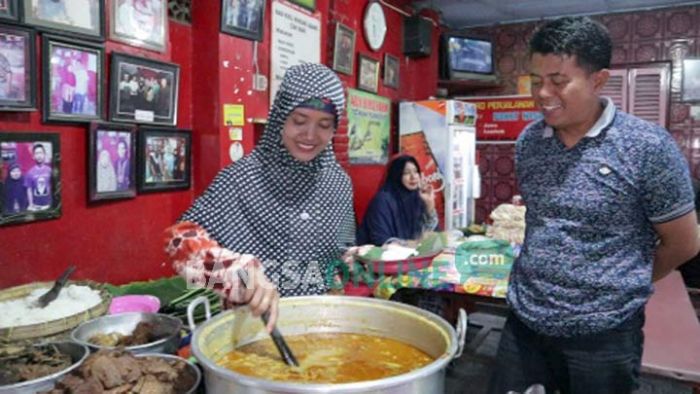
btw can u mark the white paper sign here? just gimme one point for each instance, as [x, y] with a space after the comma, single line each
[143, 116]
[296, 39]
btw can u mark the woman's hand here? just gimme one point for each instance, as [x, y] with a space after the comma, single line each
[261, 295]
[427, 194]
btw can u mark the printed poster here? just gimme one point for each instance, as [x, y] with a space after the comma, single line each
[369, 125]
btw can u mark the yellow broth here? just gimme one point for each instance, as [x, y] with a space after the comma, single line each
[327, 358]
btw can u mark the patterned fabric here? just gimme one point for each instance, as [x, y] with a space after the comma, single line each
[587, 259]
[202, 262]
[295, 217]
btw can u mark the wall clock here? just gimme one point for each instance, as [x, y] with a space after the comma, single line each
[374, 24]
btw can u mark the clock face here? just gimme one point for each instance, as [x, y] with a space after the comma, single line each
[374, 25]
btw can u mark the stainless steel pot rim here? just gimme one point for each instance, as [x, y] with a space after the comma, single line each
[266, 384]
[63, 372]
[177, 322]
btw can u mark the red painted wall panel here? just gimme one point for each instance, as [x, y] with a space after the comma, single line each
[114, 241]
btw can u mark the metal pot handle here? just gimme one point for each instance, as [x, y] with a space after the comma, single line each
[193, 305]
[461, 332]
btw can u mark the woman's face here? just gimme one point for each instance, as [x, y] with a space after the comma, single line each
[410, 178]
[307, 133]
[15, 173]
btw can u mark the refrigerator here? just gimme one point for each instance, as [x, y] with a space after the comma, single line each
[441, 135]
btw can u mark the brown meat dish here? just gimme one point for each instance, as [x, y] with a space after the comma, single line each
[24, 363]
[117, 372]
[144, 333]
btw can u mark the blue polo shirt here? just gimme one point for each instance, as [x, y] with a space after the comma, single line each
[587, 259]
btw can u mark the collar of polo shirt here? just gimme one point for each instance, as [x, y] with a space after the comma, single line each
[605, 119]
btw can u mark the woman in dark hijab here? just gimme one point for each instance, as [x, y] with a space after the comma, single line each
[284, 212]
[15, 193]
[403, 208]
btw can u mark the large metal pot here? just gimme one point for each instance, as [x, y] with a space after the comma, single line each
[77, 352]
[167, 328]
[327, 314]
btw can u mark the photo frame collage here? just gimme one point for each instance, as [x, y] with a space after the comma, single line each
[75, 90]
[368, 74]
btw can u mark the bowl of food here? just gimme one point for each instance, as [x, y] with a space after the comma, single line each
[123, 372]
[135, 332]
[34, 368]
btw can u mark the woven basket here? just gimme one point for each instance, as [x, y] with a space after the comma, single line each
[51, 328]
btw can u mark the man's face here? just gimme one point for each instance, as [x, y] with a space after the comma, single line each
[307, 132]
[566, 94]
[121, 150]
[39, 155]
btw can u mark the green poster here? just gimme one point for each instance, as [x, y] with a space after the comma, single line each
[308, 4]
[369, 123]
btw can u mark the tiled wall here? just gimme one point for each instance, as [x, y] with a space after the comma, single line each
[662, 35]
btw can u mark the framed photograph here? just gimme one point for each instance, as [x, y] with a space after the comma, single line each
[368, 74]
[74, 17]
[17, 69]
[72, 85]
[29, 177]
[143, 91]
[163, 159]
[391, 71]
[111, 161]
[243, 18]
[344, 49]
[8, 10]
[141, 23]
[308, 4]
[691, 80]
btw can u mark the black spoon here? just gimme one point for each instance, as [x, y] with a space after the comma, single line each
[51, 295]
[277, 338]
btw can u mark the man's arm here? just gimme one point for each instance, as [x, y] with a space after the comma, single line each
[679, 243]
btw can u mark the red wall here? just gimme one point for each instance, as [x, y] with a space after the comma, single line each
[121, 240]
[114, 241]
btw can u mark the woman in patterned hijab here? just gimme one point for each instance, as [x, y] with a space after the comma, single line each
[285, 209]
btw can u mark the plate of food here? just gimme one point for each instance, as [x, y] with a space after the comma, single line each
[396, 259]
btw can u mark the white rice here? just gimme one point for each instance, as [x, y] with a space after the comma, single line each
[71, 300]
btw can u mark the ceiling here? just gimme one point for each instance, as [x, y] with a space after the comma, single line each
[459, 14]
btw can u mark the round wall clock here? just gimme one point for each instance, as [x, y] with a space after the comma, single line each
[374, 24]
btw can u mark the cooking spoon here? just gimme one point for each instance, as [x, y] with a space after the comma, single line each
[51, 295]
[277, 338]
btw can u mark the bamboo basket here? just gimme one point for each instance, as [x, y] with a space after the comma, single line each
[53, 328]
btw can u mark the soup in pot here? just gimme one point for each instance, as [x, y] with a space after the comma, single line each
[327, 358]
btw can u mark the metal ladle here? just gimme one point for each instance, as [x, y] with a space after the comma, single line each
[277, 338]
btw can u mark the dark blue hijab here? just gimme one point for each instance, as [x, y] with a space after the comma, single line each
[395, 212]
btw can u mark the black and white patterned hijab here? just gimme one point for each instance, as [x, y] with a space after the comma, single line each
[295, 217]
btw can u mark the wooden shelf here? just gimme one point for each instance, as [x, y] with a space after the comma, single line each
[468, 85]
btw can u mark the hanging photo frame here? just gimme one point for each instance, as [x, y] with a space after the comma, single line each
[243, 18]
[142, 23]
[164, 159]
[72, 80]
[344, 49]
[18, 65]
[111, 161]
[84, 18]
[29, 177]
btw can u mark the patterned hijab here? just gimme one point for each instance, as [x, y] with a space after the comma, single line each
[296, 217]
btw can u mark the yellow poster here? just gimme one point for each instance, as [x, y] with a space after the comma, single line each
[234, 115]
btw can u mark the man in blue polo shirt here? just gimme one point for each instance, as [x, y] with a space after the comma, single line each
[609, 210]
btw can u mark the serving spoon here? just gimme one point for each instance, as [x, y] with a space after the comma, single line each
[51, 295]
[277, 338]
